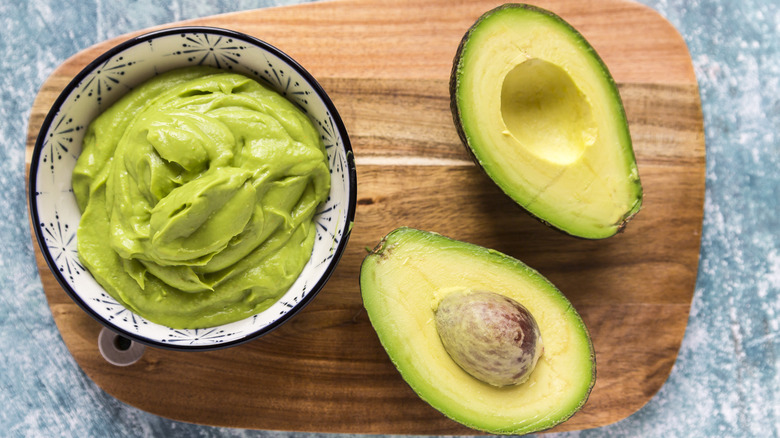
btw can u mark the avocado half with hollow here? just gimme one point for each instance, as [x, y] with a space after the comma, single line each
[541, 114]
[412, 273]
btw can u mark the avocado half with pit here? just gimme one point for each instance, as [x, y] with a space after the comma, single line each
[407, 279]
[541, 114]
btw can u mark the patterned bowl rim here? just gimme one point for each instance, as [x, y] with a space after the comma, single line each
[131, 42]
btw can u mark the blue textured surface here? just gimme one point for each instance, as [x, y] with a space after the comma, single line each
[726, 380]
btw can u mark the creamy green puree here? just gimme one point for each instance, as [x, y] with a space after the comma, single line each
[198, 191]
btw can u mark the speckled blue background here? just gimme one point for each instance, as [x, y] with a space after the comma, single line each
[725, 382]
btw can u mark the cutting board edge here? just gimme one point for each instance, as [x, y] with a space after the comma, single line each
[74, 63]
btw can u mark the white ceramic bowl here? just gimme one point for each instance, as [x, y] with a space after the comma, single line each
[56, 216]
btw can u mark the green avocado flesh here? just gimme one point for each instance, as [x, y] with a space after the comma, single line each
[198, 191]
[402, 282]
[541, 114]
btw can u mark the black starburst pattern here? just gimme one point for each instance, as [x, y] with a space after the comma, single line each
[277, 78]
[117, 312]
[194, 336]
[60, 141]
[61, 242]
[324, 219]
[329, 139]
[295, 300]
[286, 85]
[104, 79]
[215, 50]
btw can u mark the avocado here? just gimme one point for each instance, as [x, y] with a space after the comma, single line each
[407, 279]
[540, 113]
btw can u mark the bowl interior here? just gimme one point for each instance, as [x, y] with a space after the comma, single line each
[53, 206]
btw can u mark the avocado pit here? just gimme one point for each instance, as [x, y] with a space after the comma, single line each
[490, 336]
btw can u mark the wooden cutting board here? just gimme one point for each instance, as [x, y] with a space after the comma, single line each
[386, 65]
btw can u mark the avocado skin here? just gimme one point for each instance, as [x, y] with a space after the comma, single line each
[456, 115]
[384, 249]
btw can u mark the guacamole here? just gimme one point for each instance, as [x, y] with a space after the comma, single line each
[198, 191]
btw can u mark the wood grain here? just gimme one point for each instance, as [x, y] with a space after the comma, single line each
[386, 67]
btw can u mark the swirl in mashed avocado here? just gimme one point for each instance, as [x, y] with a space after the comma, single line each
[198, 191]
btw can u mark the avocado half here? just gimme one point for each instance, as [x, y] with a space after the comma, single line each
[542, 116]
[405, 277]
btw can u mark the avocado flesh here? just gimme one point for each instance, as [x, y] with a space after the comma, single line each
[541, 114]
[402, 282]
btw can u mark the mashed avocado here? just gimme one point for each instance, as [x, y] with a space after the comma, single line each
[197, 191]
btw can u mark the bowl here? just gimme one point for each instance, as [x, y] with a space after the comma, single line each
[55, 215]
